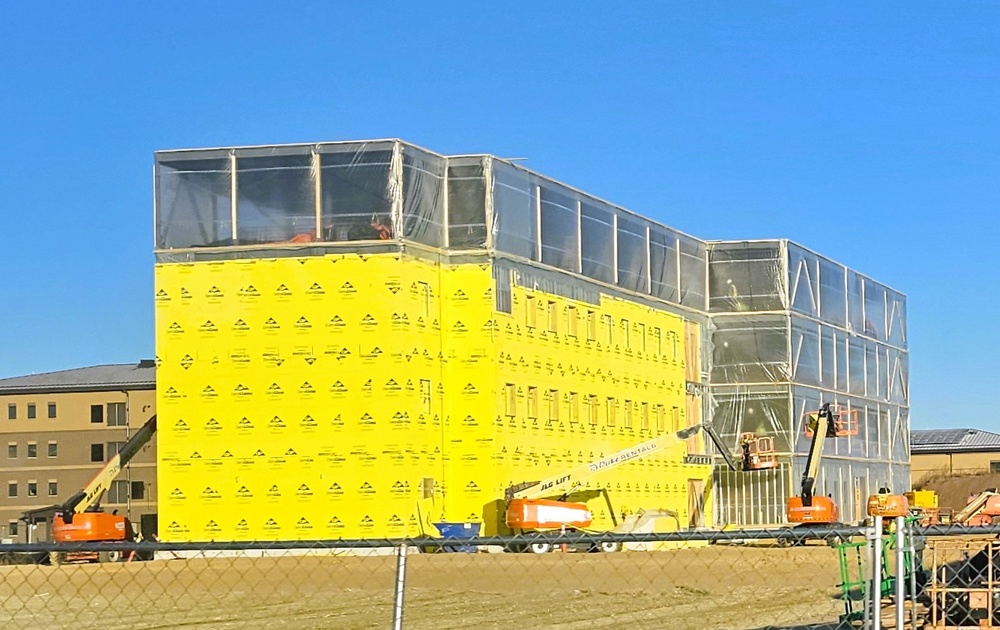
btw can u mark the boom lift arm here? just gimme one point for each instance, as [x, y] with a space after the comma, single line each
[824, 428]
[91, 494]
[806, 508]
[566, 482]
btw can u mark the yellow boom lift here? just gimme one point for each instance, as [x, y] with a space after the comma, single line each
[529, 512]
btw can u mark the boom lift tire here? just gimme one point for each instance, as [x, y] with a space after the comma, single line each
[540, 548]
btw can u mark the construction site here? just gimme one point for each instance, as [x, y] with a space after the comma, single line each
[367, 347]
[363, 339]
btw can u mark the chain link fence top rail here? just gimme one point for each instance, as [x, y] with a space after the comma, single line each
[790, 578]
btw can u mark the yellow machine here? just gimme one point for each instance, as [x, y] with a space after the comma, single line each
[924, 505]
[888, 505]
[528, 512]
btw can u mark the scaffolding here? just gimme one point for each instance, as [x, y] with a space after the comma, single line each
[792, 330]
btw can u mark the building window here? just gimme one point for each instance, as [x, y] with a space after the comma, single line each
[97, 452]
[12, 411]
[11, 488]
[53, 488]
[12, 528]
[612, 411]
[628, 414]
[138, 490]
[510, 400]
[553, 405]
[118, 492]
[553, 318]
[52, 410]
[533, 403]
[595, 410]
[645, 416]
[53, 449]
[113, 448]
[32, 450]
[995, 467]
[97, 414]
[530, 312]
[116, 414]
[591, 326]
[32, 488]
[571, 321]
[32, 413]
[12, 450]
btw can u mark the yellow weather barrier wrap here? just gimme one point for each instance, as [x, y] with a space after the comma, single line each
[370, 396]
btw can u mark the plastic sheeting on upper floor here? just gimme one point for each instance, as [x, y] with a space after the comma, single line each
[758, 276]
[393, 191]
[388, 190]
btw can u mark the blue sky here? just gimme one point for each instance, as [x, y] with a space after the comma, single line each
[866, 131]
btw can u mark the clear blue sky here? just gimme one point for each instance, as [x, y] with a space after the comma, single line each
[867, 131]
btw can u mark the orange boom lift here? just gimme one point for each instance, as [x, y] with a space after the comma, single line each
[80, 519]
[807, 508]
[527, 512]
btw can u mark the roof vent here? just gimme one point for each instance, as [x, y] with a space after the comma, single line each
[147, 363]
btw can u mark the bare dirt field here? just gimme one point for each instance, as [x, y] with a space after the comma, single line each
[728, 587]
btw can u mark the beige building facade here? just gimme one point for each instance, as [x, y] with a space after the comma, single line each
[953, 452]
[59, 429]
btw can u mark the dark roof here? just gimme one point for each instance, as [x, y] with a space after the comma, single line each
[953, 440]
[96, 378]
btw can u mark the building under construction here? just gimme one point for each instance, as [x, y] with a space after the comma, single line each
[362, 339]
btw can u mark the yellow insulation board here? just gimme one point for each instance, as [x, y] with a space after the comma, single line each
[579, 381]
[370, 396]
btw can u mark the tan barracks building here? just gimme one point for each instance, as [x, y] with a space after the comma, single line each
[59, 429]
[953, 452]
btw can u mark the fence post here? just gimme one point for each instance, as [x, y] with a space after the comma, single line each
[900, 571]
[912, 548]
[397, 610]
[875, 592]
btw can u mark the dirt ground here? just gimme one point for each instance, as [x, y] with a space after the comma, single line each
[728, 587]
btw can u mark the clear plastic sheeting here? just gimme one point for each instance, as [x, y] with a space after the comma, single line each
[356, 191]
[763, 411]
[388, 190]
[423, 196]
[193, 199]
[825, 290]
[632, 254]
[664, 263]
[694, 272]
[276, 195]
[750, 350]
[466, 203]
[597, 241]
[746, 277]
[559, 220]
[515, 218]
[807, 331]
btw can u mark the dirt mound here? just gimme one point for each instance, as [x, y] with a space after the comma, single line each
[954, 492]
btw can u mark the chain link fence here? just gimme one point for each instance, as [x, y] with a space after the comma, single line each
[775, 578]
